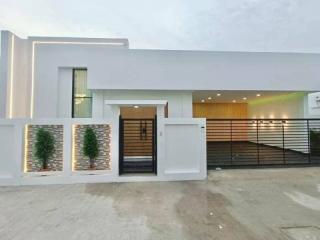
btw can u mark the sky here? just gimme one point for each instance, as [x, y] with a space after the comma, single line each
[219, 25]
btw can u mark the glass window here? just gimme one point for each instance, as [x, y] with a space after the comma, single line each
[81, 97]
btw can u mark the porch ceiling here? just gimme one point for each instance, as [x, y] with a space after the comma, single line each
[234, 96]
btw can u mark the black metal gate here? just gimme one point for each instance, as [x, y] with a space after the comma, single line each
[137, 146]
[262, 142]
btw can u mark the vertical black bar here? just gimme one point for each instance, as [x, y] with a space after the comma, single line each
[283, 144]
[145, 131]
[72, 100]
[140, 121]
[309, 147]
[231, 147]
[155, 145]
[152, 148]
[258, 146]
[120, 145]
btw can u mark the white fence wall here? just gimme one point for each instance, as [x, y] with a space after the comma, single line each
[185, 148]
[175, 162]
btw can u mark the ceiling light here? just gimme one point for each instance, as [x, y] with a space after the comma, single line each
[202, 100]
[258, 95]
[209, 98]
[218, 94]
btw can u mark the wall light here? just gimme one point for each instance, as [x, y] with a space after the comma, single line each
[258, 95]
[234, 101]
[209, 98]
[203, 100]
[244, 98]
[136, 106]
[218, 94]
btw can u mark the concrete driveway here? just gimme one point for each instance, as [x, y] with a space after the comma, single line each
[231, 204]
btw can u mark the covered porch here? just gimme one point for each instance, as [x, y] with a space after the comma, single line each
[259, 128]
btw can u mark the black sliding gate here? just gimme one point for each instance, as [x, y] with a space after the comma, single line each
[137, 146]
[262, 142]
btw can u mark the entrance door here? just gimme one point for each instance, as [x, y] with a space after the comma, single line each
[138, 145]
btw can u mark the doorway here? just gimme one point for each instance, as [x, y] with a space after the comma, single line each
[137, 140]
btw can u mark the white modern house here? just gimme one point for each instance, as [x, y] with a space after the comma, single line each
[157, 114]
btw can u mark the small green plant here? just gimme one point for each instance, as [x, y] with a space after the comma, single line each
[90, 146]
[44, 147]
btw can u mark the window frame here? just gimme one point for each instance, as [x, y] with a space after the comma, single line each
[73, 93]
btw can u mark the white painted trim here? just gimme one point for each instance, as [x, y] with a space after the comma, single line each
[136, 102]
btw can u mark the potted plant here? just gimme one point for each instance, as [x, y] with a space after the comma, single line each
[90, 146]
[44, 147]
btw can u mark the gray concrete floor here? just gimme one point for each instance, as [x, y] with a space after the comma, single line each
[231, 204]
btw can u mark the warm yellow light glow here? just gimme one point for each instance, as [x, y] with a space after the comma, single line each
[203, 100]
[11, 77]
[209, 98]
[62, 42]
[25, 165]
[73, 147]
[82, 43]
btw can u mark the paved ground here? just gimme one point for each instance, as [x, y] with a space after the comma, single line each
[232, 204]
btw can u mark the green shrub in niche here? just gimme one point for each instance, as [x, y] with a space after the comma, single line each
[90, 146]
[44, 147]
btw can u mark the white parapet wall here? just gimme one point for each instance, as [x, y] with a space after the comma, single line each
[181, 152]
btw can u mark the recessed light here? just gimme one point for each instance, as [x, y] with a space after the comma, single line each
[136, 106]
[234, 101]
[244, 98]
[202, 100]
[218, 94]
[209, 98]
[258, 95]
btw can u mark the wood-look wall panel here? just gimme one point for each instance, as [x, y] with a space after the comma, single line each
[139, 113]
[220, 131]
[220, 110]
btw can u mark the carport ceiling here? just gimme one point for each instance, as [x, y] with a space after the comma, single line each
[234, 96]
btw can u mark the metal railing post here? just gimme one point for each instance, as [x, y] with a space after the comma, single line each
[231, 137]
[258, 148]
[283, 144]
[309, 147]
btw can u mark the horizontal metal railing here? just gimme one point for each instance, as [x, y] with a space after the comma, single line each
[261, 142]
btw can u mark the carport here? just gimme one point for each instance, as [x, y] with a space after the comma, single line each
[254, 129]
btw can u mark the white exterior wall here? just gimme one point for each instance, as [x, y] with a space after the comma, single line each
[41, 63]
[202, 70]
[15, 76]
[179, 102]
[291, 105]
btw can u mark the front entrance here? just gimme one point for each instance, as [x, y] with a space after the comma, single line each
[137, 145]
